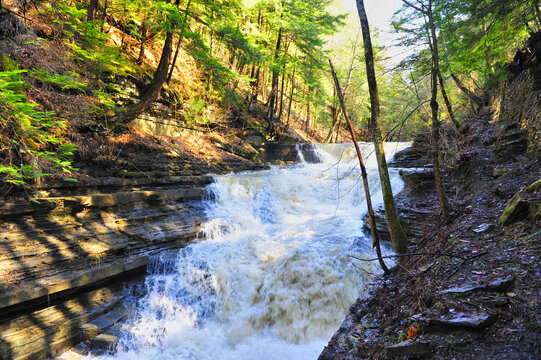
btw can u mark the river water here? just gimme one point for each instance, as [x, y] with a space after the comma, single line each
[269, 276]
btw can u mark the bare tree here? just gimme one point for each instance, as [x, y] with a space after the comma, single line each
[425, 8]
[371, 216]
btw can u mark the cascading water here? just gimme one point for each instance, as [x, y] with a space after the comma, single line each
[270, 276]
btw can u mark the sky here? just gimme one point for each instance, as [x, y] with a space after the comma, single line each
[379, 13]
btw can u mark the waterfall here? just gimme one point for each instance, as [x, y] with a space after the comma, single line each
[269, 276]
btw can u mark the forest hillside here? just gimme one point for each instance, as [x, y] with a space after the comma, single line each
[83, 83]
[116, 114]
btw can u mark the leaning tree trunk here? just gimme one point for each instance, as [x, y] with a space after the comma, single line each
[474, 98]
[179, 42]
[371, 216]
[398, 236]
[157, 83]
[447, 102]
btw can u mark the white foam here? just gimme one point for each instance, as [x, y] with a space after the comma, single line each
[270, 277]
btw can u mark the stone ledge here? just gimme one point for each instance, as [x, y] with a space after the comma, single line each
[71, 281]
[101, 200]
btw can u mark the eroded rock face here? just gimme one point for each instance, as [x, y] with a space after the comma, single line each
[10, 25]
[518, 101]
[53, 254]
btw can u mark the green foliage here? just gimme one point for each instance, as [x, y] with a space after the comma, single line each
[30, 140]
[64, 82]
[476, 37]
[87, 40]
[193, 110]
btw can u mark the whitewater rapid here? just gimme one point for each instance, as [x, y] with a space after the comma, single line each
[269, 276]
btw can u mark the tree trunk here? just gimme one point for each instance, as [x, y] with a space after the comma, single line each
[104, 15]
[160, 77]
[91, 11]
[334, 116]
[255, 85]
[180, 37]
[398, 236]
[444, 203]
[447, 102]
[282, 92]
[274, 84]
[144, 32]
[373, 229]
[488, 49]
[338, 128]
[307, 123]
[291, 95]
[352, 62]
[476, 99]
[255, 77]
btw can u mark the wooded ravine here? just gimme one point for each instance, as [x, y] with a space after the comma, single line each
[126, 126]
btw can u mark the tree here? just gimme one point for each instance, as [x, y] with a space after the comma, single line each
[160, 76]
[91, 11]
[478, 36]
[371, 216]
[427, 10]
[398, 236]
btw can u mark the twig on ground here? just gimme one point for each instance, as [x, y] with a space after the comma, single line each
[463, 262]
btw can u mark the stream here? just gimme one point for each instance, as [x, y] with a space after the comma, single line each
[269, 276]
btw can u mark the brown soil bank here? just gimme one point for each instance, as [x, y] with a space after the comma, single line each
[473, 289]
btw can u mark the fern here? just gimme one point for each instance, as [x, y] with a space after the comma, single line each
[31, 146]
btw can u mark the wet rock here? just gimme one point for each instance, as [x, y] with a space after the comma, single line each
[70, 281]
[498, 285]
[44, 333]
[103, 343]
[106, 321]
[526, 204]
[409, 348]
[495, 301]
[273, 152]
[414, 221]
[416, 156]
[478, 321]
[89, 331]
[483, 228]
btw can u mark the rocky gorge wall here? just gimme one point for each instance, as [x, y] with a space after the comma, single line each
[519, 101]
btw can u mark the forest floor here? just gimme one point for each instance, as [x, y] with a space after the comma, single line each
[483, 299]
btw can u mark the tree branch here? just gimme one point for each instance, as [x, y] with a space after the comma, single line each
[386, 137]
[420, 254]
[415, 7]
